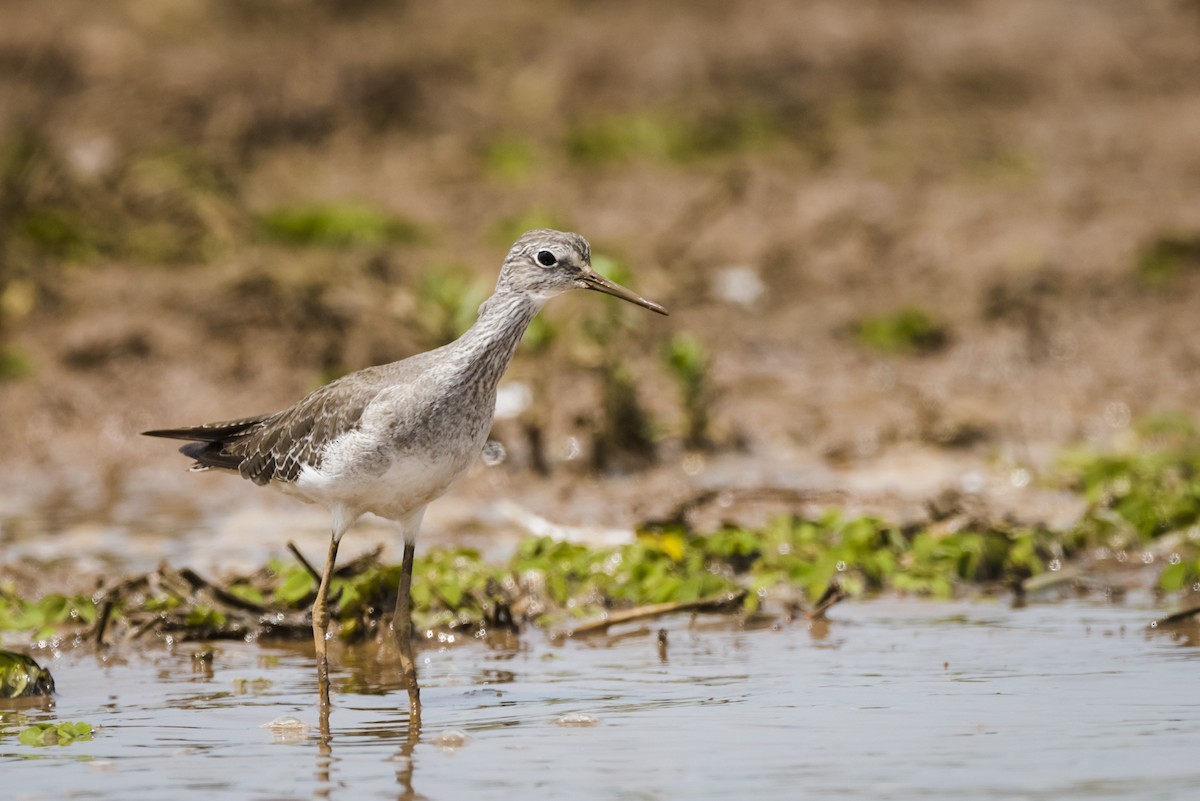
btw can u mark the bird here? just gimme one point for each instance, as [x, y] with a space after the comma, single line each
[390, 439]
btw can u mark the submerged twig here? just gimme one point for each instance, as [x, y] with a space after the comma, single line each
[168, 580]
[1045, 581]
[718, 603]
[358, 564]
[106, 608]
[220, 594]
[140, 629]
[1176, 617]
[107, 598]
[833, 593]
[312, 571]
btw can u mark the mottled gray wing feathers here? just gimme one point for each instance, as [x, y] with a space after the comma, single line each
[277, 447]
[296, 437]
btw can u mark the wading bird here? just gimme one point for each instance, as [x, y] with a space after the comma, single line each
[390, 439]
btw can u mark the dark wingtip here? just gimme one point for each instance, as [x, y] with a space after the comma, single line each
[172, 433]
[195, 450]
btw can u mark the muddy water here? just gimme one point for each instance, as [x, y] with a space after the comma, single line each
[894, 699]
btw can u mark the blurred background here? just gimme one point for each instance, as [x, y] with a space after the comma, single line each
[908, 248]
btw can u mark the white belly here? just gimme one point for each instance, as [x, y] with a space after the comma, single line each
[391, 485]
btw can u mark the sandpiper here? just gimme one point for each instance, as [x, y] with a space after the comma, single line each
[390, 439]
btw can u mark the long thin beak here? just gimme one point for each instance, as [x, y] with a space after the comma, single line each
[599, 283]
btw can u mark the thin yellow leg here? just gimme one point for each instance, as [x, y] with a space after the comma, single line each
[402, 627]
[320, 623]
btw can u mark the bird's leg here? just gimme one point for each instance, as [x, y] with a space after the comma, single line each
[402, 626]
[320, 622]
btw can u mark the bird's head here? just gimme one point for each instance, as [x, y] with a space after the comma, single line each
[545, 263]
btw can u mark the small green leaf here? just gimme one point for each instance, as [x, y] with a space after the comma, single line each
[34, 735]
[297, 586]
[1174, 577]
[248, 593]
[60, 733]
[205, 617]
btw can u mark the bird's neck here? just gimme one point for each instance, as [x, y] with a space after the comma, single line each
[485, 350]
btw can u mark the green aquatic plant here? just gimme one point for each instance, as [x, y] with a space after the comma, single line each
[656, 568]
[338, 225]
[939, 564]
[859, 554]
[863, 554]
[205, 617]
[290, 584]
[456, 588]
[1180, 573]
[44, 616]
[56, 733]
[248, 593]
[162, 602]
[1148, 492]
[548, 581]
[1142, 494]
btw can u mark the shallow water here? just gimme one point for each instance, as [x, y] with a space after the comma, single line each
[895, 699]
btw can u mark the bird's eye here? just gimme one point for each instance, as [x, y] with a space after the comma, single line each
[546, 258]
